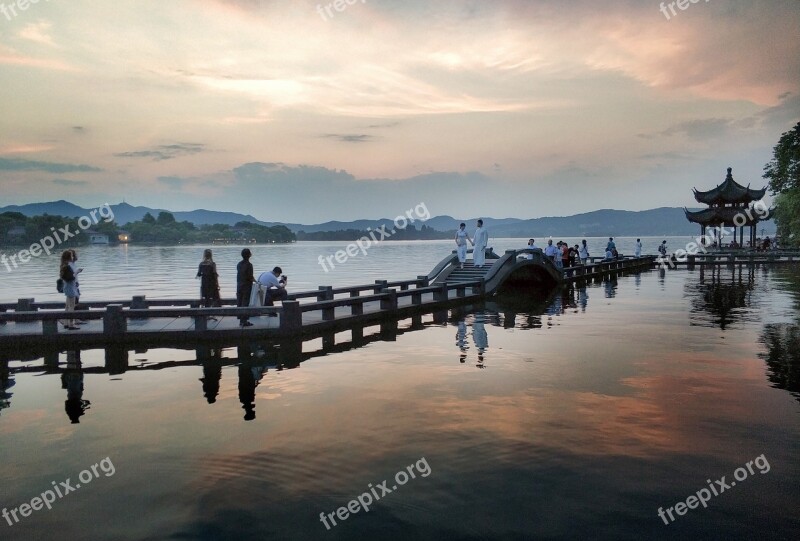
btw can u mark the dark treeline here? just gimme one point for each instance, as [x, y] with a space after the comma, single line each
[18, 229]
[349, 235]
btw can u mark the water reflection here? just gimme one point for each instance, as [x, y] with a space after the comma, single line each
[782, 341]
[212, 374]
[6, 382]
[72, 380]
[480, 337]
[722, 297]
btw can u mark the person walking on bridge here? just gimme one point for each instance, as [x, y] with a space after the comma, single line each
[481, 239]
[461, 239]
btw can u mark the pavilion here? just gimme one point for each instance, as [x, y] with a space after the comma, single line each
[729, 206]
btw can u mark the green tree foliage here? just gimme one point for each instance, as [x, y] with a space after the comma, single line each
[165, 218]
[148, 218]
[783, 173]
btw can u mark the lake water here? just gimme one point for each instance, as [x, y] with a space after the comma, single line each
[578, 417]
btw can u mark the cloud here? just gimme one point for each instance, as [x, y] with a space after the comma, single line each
[165, 152]
[67, 182]
[701, 128]
[37, 32]
[173, 182]
[15, 164]
[350, 138]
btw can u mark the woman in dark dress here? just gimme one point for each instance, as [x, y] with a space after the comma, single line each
[209, 281]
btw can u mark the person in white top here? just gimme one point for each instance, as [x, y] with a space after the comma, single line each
[275, 283]
[638, 249]
[461, 239]
[583, 252]
[551, 251]
[481, 240]
[531, 246]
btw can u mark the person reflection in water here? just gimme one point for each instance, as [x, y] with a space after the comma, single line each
[249, 377]
[72, 381]
[212, 374]
[6, 382]
[461, 341]
[480, 337]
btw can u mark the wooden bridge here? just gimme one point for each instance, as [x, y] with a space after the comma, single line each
[28, 326]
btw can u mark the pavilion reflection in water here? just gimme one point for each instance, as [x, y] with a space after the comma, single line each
[722, 297]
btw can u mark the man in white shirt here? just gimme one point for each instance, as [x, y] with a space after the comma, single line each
[551, 251]
[638, 250]
[481, 240]
[275, 284]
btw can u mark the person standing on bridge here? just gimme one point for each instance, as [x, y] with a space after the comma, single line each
[461, 239]
[244, 284]
[610, 246]
[637, 251]
[583, 252]
[67, 275]
[209, 281]
[481, 240]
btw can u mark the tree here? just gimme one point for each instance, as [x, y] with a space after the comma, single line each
[783, 171]
[148, 219]
[164, 218]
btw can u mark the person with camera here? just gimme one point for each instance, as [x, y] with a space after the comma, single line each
[275, 284]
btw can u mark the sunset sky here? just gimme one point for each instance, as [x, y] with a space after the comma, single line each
[477, 108]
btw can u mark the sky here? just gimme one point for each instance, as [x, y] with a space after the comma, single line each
[295, 111]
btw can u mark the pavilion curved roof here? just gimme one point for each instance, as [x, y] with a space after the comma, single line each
[725, 216]
[729, 192]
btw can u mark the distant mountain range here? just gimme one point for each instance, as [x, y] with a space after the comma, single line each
[664, 221]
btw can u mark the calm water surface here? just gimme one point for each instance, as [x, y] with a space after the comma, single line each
[574, 417]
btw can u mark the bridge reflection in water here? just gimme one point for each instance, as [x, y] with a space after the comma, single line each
[254, 359]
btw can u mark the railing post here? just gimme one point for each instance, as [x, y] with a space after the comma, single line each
[326, 294]
[114, 323]
[422, 280]
[357, 308]
[461, 291]
[389, 302]
[441, 294]
[25, 305]
[480, 289]
[138, 302]
[291, 317]
[200, 323]
[380, 285]
[49, 327]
